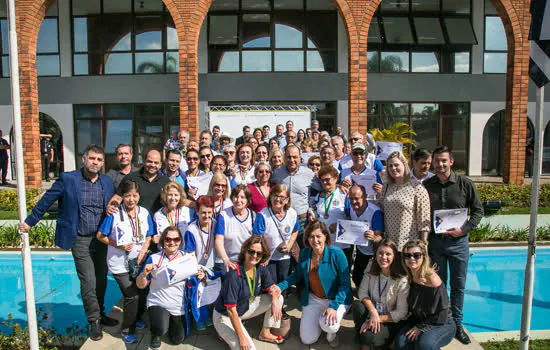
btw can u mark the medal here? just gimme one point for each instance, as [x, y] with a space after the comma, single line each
[251, 285]
[325, 216]
[327, 206]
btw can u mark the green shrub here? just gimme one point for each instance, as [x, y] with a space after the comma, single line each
[8, 199]
[541, 344]
[486, 232]
[41, 235]
[513, 195]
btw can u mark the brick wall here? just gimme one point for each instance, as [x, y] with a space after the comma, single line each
[189, 16]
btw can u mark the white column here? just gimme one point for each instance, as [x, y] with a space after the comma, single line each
[478, 21]
[64, 23]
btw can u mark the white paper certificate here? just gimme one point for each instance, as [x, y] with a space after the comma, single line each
[200, 183]
[384, 149]
[181, 269]
[209, 293]
[352, 232]
[449, 218]
[365, 180]
[123, 234]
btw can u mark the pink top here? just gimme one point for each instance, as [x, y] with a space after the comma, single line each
[258, 201]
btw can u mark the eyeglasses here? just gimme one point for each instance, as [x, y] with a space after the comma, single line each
[176, 240]
[264, 172]
[206, 156]
[252, 252]
[315, 164]
[416, 256]
[326, 179]
[281, 198]
[230, 152]
[357, 153]
[194, 159]
[355, 138]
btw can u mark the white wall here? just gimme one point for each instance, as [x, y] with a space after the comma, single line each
[342, 112]
[480, 114]
[63, 115]
[203, 49]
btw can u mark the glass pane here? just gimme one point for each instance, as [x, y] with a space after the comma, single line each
[321, 30]
[256, 61]
[490, 9]
[460, 31]
[80, 63]
[47, 37]
[172, 62]
[87, 111]
[256, 31]
[320, 5]
[5, 66]
[224, 5]
[289, 61]
[424, 62]
[149, 33]
[495, 36]
[394, 62]
[85, 7]
[52, 10]
[150, 62]
[224, 61]
[256, 5]
[289, 4]
[172, 41]
[315, 62]
[399, 6]
[4, 27]
[47, 65]
[117, 132]
[373, 61]
[149, 110]
[461, 7]
[374, 32]
[149, 134]
[372, 108]
[455, 109]
[223, 30]
[425, 5]
[117, 110]
[494, 62]
[117, 6]
[3, 9]
[424, 109]
[287, 37]
[373, 122]
[88, 132]
[396, 109]
[117, 32]
[329, 60]
[455, 130]
[427, 131]
[428, 31]
[546, 150]
[462, 62]
[86, 34]
[118, 63]
[148, 5]
[398, 30]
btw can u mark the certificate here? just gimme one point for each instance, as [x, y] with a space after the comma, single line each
[449, 218]
[209, 293]
[352, 232]
[365, 180]
[200, 183]
[384, 149]
[181, 269]
[123, 234]
[306, 156]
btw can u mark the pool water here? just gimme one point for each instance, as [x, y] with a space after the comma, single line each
[494, 290]
[56, 290]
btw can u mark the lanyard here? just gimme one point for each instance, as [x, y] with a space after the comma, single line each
[205, 247]
[220, 206]
[171, 220]
[136, 226]
[169, 259]
[251, 287]
[380, 292]
[327, 207]
[260, 190]
[245, 173]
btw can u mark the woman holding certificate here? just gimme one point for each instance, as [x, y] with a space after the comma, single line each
[243, 296]
[330, 204]
[261, 188]
[383, 299]
[173, 212]
[233, 227]
[219, 192]
[127, 233]
[405, 203]
[165, 301]
[326, 296]
[243, 173]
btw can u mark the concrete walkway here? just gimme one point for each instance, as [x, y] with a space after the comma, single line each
[208, 339]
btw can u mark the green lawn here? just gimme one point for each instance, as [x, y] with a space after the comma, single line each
[13, 215]
[513, 344]
[519, 211]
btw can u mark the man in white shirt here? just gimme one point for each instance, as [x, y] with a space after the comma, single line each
[422, 160]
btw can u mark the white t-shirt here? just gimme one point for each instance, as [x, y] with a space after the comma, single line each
[268, 225]
[333, 206]
[243, 176]
[235, 232]
[373, 215]
[226, 203]
[347, 162]
[182, 219]
[117, 259]
[199, 242]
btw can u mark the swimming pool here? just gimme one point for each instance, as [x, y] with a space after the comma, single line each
[494, 289]
[56, 290]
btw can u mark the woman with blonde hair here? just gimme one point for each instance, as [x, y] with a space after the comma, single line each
[430, 325]
[173, 212]
[405, 203]
[276, 159]
[219, 192]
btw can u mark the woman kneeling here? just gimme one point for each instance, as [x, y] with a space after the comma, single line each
[241, 298]
[383, 299]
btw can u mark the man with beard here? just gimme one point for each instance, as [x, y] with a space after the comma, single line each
[172, 169]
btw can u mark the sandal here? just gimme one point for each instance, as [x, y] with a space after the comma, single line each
[278, 339]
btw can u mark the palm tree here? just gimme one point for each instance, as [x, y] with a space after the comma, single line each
[398, 132]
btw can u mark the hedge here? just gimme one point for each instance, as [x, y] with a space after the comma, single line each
[518, 196]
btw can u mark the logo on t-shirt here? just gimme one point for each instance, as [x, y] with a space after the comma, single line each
[287, 230]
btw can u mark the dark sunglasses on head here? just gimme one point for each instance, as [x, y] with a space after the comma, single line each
[172, 240]
[252, 252]
[409, 256]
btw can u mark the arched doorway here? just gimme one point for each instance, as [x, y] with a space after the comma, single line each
[546, 150]
[48, 126]
[493, 146]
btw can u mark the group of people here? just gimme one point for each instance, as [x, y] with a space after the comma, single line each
[268, 221]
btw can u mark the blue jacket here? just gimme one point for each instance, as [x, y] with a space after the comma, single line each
[67, 191]
[333, 272]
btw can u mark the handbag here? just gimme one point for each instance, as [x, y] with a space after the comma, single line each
[134, 269]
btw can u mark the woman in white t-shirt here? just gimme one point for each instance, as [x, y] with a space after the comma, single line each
[243, 173]
[234, 226]
[173, 212]
[127, 234]
[219, 192]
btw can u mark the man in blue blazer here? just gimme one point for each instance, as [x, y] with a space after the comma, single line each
[82, 197]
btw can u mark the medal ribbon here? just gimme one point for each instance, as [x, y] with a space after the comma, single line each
[251, 287]
[136, 226]
[169, 259]
[327, 207]
[205, 247]
[172, 221]
[245, 173]
[220, 206]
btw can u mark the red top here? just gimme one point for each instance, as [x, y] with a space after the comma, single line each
[258, 201]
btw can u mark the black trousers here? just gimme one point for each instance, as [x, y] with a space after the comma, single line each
[162, 322]
[359, 266]
[46, 166]
[90, 259]
[383, 338]
[134, 301]
[4, 167]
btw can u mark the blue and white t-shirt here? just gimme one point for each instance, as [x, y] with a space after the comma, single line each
[373, 215]
[117, 259]
[268, 225]
[180, 218]
[330, 209]
[234, 232]
[370, 162]
[201, 243]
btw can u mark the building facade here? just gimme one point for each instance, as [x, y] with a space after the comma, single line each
[130, 71]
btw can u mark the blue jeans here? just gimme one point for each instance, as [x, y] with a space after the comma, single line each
[432, 339]
[454, 254]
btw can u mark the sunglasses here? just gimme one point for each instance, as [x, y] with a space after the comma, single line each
[230, 152]
[360, 153]
[409, 256]
[315, 164]
[281, 198]
[326, 179]
[355, 138]
[264, 171]
[172, 240]
[206, 156]
[252, 252]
